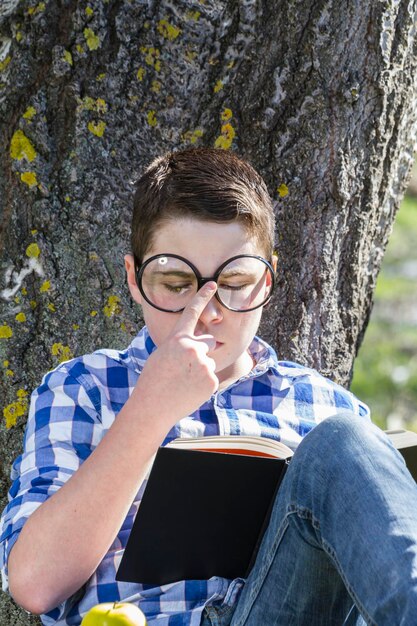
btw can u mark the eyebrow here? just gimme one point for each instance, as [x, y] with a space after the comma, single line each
[179, 273]
[236, 272]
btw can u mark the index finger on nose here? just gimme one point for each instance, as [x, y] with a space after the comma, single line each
[195, 307]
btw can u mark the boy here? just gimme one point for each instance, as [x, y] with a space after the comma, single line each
[202, 269]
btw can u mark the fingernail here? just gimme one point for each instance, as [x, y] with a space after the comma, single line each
[212, 286]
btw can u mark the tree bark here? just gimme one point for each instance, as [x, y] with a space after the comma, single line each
[319, 95]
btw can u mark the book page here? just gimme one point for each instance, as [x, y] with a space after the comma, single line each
[402, 438]
[235, 444]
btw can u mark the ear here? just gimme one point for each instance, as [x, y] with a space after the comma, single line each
[274, 261]
[131, 278]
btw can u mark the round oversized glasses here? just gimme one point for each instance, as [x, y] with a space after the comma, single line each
[168, 282]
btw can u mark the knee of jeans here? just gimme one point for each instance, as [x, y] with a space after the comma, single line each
[329, 456]
[337, 437]
[344, 425]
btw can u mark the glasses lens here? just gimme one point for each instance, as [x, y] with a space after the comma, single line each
[244, 283]
[169, 283]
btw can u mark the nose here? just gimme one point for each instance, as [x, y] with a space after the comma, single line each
[212, 312]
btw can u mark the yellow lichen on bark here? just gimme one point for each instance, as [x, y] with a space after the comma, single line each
[167, 30]
[112, 307]
[282, 190]
[33, 250]
[5, 331]
[97, 128]
[21, 147]
[30, 113]
[92, 40]
[46, 286]
[151, 118]
[5, 63]
[62, 352]
[16, 409]
[228, 133]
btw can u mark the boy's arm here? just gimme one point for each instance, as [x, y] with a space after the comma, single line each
[65, 539]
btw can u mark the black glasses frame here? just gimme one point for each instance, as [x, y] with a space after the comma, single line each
[202, 280]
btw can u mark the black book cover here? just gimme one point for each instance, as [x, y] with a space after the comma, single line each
[202, 514]
[410, 457]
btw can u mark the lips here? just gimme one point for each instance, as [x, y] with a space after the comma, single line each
[218, 344]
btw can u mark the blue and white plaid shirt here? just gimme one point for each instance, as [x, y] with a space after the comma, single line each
[75, 405]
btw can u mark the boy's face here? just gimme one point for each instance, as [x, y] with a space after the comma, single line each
[207, 245]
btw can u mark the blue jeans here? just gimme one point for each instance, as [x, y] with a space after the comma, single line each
[341, 545]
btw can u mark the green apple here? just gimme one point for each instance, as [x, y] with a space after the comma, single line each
[114, 614]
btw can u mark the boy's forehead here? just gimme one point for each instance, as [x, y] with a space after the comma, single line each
[206, 244]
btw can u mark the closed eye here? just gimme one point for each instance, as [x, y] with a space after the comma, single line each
[177, 288]
[234, 287]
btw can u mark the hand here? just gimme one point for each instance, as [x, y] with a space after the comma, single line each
[179, 375]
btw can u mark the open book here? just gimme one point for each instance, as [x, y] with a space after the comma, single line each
[207, 505]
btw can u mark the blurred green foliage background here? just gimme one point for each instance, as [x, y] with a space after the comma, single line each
[385, 372]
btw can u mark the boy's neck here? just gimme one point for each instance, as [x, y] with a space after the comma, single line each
[239, 369]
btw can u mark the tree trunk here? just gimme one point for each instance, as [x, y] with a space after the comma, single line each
[319, 95]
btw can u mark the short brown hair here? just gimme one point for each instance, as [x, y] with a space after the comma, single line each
[203, 183]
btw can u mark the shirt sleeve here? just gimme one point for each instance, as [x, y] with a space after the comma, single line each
[62, 430]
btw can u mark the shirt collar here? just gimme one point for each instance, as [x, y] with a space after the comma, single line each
[266, 361]
[140, 349]
[263, 355]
